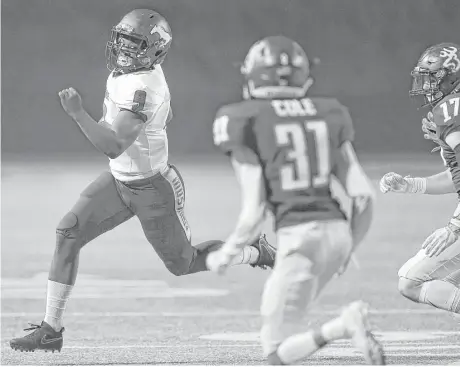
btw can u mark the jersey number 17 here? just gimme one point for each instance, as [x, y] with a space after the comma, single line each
[307, 156]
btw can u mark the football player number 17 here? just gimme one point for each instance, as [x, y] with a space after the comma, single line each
[308, 166]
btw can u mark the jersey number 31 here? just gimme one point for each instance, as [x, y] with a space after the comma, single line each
[308, 162]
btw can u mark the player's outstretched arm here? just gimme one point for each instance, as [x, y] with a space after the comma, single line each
[111, 142]
[250, 178]
[358, 187]
[438, 184]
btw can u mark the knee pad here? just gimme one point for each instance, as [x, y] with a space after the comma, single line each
[68, 226]
[410, 288]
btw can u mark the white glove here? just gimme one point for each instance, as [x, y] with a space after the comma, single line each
[394, 182]
[438, 241]
[429, 130]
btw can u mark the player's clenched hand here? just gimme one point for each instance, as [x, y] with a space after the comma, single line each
[71, 101]
[218, 261]
[438, 241]
[394, 182]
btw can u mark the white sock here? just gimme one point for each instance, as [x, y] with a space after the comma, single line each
[303, 345]
[297, 347]
[333, 329]
[56, 300]
[248, 255]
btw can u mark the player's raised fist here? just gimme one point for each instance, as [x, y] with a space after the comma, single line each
[70, 101]
[394, 182]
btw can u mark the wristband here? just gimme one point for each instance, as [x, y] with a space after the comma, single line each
[454, 227]
[454, 223]
[417, 185]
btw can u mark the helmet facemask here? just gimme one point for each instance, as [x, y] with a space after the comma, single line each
[428, 83]
[127, 52]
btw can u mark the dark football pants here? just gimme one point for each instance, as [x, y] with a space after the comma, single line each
[157, 201]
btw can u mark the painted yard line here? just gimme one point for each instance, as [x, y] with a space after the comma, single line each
[449, 351]
[216, 314]
[390, 336]
[328, 350]
[409, 348]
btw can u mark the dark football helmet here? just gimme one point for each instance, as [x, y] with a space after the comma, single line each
[437, 73]
[276, 67]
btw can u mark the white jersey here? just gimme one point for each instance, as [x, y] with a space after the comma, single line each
[147, 94]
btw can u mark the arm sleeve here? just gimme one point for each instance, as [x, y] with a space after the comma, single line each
[234, 136]
[252, 213]
[347, 132]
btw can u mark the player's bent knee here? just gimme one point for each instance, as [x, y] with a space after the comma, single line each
[68, 225]
[409, 288]
[67, 231]
[177, 268]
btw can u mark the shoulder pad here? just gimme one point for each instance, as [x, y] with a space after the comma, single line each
[232, 128]
[244, 109]
[326, 104]
[446, 112]
[333, 106]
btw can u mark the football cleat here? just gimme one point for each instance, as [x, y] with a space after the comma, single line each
[43, 337]
[358, 329]
[267, 253]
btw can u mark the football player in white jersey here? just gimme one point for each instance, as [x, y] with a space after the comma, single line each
[132, 133]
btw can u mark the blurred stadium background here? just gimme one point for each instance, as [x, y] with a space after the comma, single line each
[129, 309]
[367, 49]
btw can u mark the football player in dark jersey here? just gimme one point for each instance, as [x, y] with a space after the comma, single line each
[432, 276]
[285, 147]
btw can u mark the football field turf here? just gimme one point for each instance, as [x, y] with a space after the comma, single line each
[127, 309]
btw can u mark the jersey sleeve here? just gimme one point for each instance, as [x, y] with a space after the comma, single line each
[347, 132]
[140, 99]
[233, 135]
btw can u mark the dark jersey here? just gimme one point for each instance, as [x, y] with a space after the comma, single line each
[447, 119]
[297, 142]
